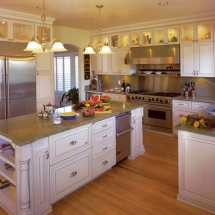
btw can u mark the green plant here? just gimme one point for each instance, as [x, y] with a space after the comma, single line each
[71, 96]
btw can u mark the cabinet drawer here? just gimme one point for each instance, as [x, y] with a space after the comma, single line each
[69, 143]
[119, 98]
[70, 174]
[104, 148]
[200, 105]
[177, 114]
[104, 136]
[182, 104]
[103, 125]
[103, 163]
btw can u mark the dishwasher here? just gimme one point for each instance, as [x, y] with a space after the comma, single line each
[123, 135]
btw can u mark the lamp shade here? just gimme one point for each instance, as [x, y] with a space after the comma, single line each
[58, 47]
[33, 46]
[105, 50]
[89, 50]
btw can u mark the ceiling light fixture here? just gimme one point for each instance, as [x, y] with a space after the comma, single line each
[163, 3]
[36, 47]
[102, 49]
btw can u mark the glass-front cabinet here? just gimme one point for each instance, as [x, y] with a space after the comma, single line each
[168, 35]
[96, 41]
[197, 32]
[47, 32]
[120, 40]
[141, 38]
[16, 31]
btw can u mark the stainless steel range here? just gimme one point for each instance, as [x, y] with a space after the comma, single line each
[158, 112]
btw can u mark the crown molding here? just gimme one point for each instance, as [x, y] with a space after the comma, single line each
[158, 23]
[14, 15]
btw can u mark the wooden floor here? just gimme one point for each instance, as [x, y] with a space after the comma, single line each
[147, 185]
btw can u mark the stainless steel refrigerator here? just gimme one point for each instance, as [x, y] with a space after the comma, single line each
[17, 86]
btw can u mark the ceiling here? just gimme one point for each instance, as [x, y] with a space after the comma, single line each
[73, 13]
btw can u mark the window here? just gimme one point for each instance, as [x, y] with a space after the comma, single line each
[66, 72]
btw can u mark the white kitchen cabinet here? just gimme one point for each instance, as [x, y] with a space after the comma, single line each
[116, 97]
[70, 174]
[196, 32]
[120, 40]
[104, 145]
[100, 63]
[137, 147]
[197, 59]
[141, 38]
[181, 108]
[41, 176]
[16, 31]
[118, 66]
[196, 159]
[44, 79]
[166, 35]
[68, 143]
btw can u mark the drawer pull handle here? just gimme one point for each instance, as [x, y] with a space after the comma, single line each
[119, 152]
[104, 136]
[73, 174]
[104, 125]
[86, 143]
[104, 148]
[47, 155]
[104, 163]
[72, 143]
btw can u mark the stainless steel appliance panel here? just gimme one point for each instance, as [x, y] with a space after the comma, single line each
[2, 89]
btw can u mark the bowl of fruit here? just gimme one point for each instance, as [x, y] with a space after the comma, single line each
[88, 112]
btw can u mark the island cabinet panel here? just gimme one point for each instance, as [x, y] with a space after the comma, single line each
[104, 145]
[66, 144]
[197, 170]
[70, 174]
[136, 133]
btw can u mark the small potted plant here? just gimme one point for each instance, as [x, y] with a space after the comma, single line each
[71, 96]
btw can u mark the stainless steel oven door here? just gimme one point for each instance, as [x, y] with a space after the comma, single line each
[159, 117]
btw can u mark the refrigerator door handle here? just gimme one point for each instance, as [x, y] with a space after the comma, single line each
[7, 84]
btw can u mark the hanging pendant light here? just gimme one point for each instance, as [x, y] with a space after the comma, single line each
[101, 49]
[36, 47]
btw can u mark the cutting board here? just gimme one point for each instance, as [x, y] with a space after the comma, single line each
[103, 112]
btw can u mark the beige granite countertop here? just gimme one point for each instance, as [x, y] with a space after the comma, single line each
[196, 99]
[26, 129]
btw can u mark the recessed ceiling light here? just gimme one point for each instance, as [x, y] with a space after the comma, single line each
[163, 3]
[40, 7]
[89, 19]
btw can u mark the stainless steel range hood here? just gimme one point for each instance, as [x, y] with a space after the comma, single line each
[163, 54]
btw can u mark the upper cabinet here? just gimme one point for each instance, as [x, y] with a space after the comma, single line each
[47, 32]
[16, 31]
[96, 41]
[120, 40]
[141, 38]
[197, 32]
[100, 63]
[166, 35]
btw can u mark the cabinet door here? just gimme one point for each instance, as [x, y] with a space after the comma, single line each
[97, 64]
[96, 41]
[188, 60]
[106, 61]
[44, 79]
[125, 68]
[22, 32]
[159, 37]
[41, 180]
[115, 59]
[136, 39]
[4, 30]
[204, 53]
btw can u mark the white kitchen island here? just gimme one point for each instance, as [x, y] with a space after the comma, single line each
[52, 161]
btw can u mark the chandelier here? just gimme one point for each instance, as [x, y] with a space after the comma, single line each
[36, 47]
[101, 49]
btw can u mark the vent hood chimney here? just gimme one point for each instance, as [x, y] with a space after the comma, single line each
[163, 54]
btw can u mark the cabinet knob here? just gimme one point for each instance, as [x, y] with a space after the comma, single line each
[73, 174]
[196, 72]
[47, 155]
[104, 163]
[104, 136]
[104, 125]
[104, 148]
[72, 143]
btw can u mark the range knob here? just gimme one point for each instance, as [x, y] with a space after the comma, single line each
[139, 97]
[153, 99]
[161, 100]
[157, 100]
[149, 99]
[167, 101]
[143, 98]
[136, 97]
[132, 97]
[128, 97]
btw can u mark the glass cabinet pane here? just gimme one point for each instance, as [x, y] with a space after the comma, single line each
[147, 37]
[187, 33]
[159, 36]
[47, 33]
[95, 42]
[22, 31]
[204, 32]
[172, 34]
[3, 29]
[135, 39]
[105, 40]
[124, 40]
[114, 39]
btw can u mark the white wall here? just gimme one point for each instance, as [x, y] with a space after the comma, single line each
[80, 39]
